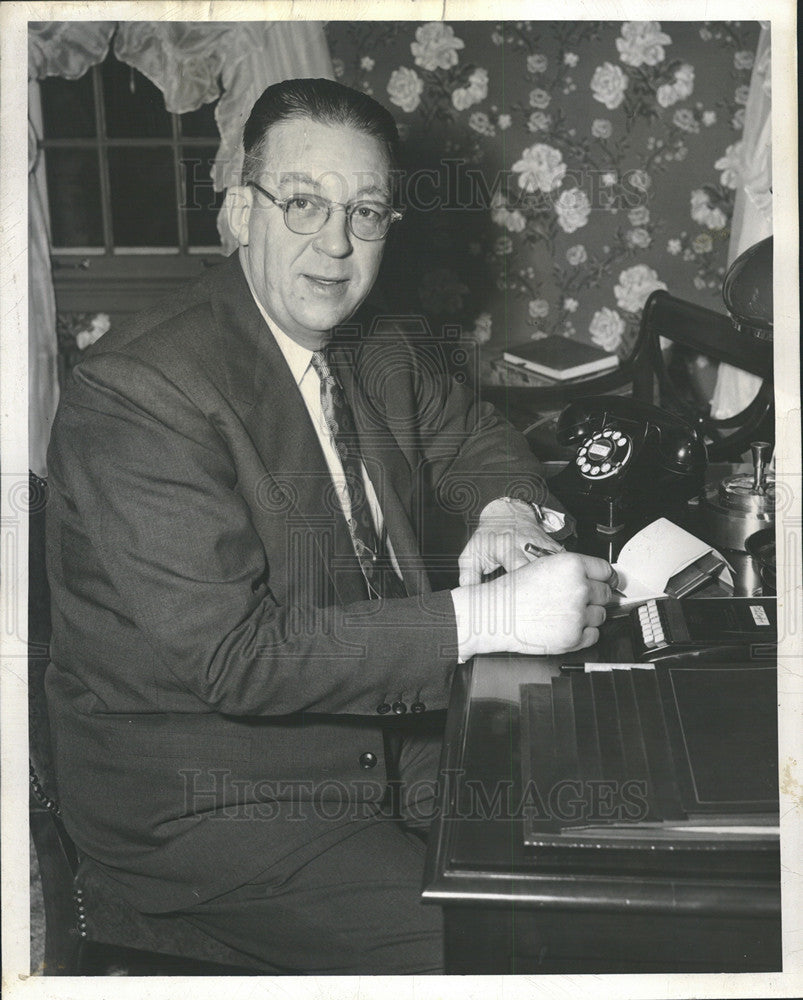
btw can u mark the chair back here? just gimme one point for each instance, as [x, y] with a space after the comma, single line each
[713, 335]
[43, 777]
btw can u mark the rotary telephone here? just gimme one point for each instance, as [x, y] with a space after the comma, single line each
[630, 458]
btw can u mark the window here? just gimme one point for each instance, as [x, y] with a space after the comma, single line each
[124, 175]
[132, 208]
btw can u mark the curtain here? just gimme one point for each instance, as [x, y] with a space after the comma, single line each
[192, 63]
[43, 386]
[186, 60]
[65, 49]
[256, 56]
[752, 214]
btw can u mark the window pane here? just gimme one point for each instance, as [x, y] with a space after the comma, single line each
[201, 122]
[68, 107]
[201, 202]
[135, 108]
[143, 196]
[73, 185]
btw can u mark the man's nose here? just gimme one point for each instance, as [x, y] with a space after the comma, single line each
[334, 238]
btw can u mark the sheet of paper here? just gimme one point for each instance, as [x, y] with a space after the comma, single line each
[655, 554]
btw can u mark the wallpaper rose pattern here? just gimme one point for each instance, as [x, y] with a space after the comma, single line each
[557, 172]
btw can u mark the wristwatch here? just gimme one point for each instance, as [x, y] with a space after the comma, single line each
[550, 520]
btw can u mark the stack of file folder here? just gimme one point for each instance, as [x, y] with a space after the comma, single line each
[634, 749]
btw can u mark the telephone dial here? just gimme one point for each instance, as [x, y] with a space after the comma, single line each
[630, 457]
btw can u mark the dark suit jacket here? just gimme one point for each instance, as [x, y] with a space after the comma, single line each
[212, 645]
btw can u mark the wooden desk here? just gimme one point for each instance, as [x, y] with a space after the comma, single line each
[507, 910]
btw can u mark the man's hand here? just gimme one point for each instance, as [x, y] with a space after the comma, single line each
[504, 528]
[552, 605]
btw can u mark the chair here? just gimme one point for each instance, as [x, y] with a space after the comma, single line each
[86, 926]
[715, 336]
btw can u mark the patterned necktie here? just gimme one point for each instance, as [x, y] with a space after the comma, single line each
[380, 577]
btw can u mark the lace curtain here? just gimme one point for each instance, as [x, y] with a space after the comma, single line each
[186, 60]
[43, 386]
[752, 213]
[192, 63]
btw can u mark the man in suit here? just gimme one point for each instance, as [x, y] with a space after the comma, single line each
[241, 612]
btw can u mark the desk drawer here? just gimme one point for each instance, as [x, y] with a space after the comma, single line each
[511, 940]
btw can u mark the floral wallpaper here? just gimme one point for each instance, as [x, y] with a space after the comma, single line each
[556, 172]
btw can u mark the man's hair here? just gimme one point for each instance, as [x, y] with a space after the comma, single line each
[322, 101]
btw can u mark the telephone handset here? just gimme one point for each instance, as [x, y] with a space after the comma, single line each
[628, 453]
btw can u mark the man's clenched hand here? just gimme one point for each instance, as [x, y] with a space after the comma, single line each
[552, 605]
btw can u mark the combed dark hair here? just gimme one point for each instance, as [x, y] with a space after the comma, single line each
[323, 101]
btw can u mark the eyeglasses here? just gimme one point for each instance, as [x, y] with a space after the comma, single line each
[306, 214]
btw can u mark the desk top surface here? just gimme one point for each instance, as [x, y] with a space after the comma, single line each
[477, 849]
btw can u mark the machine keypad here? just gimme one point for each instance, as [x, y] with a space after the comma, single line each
[653, 627]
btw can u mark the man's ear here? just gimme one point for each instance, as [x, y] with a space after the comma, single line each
[239, 200]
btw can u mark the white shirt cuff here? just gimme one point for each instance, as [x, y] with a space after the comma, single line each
[462, 614]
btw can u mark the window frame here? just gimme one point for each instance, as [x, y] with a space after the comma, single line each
[116, 279]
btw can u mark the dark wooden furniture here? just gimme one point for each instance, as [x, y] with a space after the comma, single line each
[88, 927]
[514, 909]
[714, 335]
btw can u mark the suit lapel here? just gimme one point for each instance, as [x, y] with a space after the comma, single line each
[297, 477]
[296, 482]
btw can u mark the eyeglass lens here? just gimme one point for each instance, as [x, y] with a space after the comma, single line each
[308, 215]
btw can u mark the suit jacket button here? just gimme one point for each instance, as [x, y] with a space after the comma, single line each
[383, 709]
[418, 707]
[367, 760]
[399, 707]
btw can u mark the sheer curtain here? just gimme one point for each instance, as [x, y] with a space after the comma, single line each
[67, 50]
[192, 63]
[752, 215]
[186, 60]
[43, 388]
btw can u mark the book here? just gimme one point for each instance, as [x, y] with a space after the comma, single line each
[560, 358]
[501, 372]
